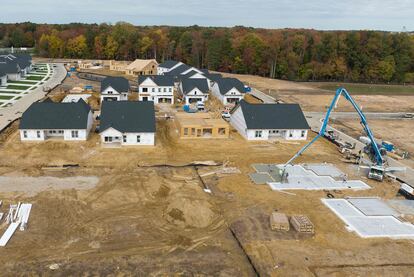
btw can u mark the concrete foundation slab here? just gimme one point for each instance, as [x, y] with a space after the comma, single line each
[260, 178]
[325, 170]
[369, 226]
[299, 178]
[405, 207]
[372, 206]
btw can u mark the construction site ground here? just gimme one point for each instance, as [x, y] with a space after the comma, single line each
[143, 211]
[148, 213]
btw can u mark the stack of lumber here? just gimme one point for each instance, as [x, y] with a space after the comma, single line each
[302, 224]
[279, 222]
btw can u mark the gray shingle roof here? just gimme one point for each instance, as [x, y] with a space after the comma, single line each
[128, 116]
[178, 70]
[273, 116]
[50, 115]
[190, 84]
[160, 80]
[214, 76]
[9, 66]
[120, 84]
[226, 84]
[168, 64]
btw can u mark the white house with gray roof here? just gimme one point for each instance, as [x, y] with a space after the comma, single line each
[114, 89]
[167, 66]
[127, 123]
[228, 90]
[67, 121]
[156, 88]
[269, 121]
[194, 90]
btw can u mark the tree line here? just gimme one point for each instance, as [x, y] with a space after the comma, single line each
[292, 54]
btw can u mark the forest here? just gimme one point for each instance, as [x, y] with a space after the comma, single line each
[291, 54]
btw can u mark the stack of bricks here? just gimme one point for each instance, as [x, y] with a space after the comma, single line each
[302, 224]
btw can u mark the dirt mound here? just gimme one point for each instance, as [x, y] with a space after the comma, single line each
[186, 212]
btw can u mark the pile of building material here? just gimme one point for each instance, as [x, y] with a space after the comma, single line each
[18, 215]
[279, 222]
[302, 224]
[371, 218]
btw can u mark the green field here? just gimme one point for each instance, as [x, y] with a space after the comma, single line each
[5, 97]
[371, 89]
[17, 87]
[22, 82]
[36, 78]
[17, 92]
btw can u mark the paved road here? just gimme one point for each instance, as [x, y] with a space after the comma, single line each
[314, 120]
[10, 114]
[354, 115]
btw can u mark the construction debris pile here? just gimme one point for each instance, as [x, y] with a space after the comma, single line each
[18, 215]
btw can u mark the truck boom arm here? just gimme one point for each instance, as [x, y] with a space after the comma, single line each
[342, 91]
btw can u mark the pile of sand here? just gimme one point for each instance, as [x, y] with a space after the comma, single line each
[186, 212]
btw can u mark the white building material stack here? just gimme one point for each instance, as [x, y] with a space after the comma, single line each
[18, 215]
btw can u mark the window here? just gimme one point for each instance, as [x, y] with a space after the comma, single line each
[138, 139]
[290, 134]
[38, 134]
[303, 133]
[75, 134]
[124, 138]
[185, 131]
[170, 89]
[60, 131]
[108, 139]
[258, 134]
[165, 89]
[110, 92]
[25, 134]
[144, 89]
[153, 89]
[159, 89]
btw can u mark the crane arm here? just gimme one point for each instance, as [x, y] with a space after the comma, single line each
[339, 92]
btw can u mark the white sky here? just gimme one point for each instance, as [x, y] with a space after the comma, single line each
[389, 15]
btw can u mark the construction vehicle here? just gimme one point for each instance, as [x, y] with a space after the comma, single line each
[376, 170]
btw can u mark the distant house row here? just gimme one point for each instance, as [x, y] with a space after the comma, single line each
[195, 85]
[14, 67]
[121, 122]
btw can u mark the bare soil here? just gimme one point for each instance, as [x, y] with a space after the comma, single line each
[149, 215]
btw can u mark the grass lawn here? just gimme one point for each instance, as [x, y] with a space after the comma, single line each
[17, 92]
[36, 78]
[17, 87]
[372, 89]
[33, 88]
[22, 82]
[5, 97]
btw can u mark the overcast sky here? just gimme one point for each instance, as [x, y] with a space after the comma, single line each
[390, 15]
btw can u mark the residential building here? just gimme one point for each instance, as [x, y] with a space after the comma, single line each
[194, 90]
[167, 66]
[269, 121]
[142, 67]
[114, 89]
[118, 65]
[156, 88]
[10, 67]
[201, 126]
[127, 123]
[68, 121]
[228, 90]
[3, 77]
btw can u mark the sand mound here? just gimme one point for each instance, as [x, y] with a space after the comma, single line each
[190, 213]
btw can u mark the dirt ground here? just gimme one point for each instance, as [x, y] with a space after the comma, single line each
[148, 213]
[313, 99]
